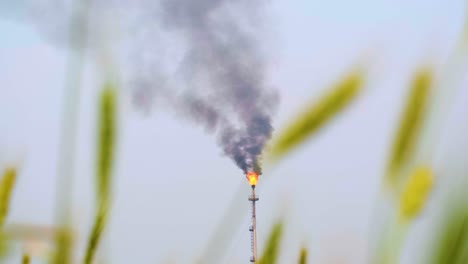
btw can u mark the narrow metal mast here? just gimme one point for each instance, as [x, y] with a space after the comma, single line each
[253, 227]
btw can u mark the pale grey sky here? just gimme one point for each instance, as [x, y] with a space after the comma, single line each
[172, 183]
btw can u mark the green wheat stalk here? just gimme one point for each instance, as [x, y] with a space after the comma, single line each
[6, 187]
[317, 114]
[271, 251]
[106, 143]
[303, 256]
[411, 121]
[77, 47]
[25, 259]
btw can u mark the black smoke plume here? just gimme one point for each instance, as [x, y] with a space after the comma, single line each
[224, 60]
[219, 79]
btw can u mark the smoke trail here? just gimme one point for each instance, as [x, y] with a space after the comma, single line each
[223, 59]
[211, 45]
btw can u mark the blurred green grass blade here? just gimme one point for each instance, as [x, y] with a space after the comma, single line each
[65, 170]
[64, 241]
[6, 186]
[26, 259]
[95, 235]
[271, 251]
[452, 243]
[410, 124]
[317, 114]
[303, 256]
[415, 192]
[105, 141]
[5, 247]
[216, 246]
[105, 157]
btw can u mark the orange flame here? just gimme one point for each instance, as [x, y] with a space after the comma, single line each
[252, 177]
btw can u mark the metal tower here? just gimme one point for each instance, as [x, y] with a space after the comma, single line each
[253, 227]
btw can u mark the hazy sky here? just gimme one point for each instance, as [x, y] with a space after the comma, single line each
[172, 183]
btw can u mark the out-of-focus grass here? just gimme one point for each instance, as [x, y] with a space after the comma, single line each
[64, 241]
[107, 133]
[410, 124]
[272, 248]
[303, 256]
[6, 187]
[77, 41]
[410, 199]
[105, 157]
[95, 235]
[317, 114]
[415, 193]
[452, 243]
[26, 259]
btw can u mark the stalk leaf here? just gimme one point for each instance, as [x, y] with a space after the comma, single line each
[64, 241]
[410, 124]
[317, 114]
[303, 256]
[105, 157]
[95, 236]
[105, 142]
[452, 243]
[271, 251]
[6, 186]
[415, 193]
[26, 259]
[77, 47]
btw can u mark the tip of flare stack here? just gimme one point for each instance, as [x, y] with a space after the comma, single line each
[252, 178]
